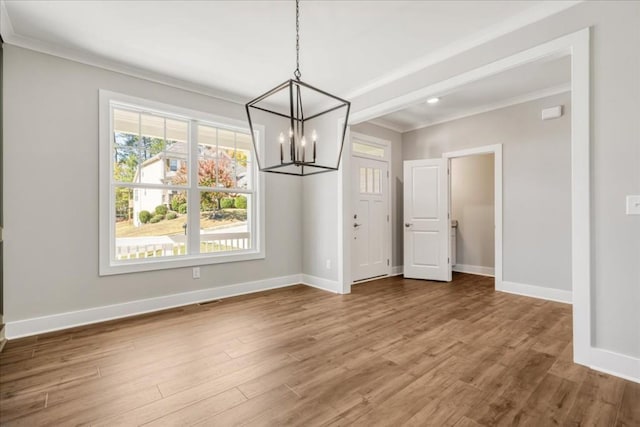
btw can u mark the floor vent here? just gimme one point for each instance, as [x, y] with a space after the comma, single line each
[213, 301]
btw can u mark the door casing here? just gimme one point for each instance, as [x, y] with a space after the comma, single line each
[386, 145]
[496, 150]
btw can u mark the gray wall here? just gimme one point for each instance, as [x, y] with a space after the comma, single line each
[51, 199]
[472, 205]
[536, 183]
[395, 184]
[615, 152]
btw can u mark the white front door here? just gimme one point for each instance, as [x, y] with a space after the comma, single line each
[370, 215]
[426, 220]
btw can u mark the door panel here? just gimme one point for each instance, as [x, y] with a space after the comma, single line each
[426, 248]
[425, 204]
[426, 220]
[371, 198]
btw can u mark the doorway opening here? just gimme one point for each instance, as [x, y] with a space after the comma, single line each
[475, 189]
[472, 215]
[370, 189]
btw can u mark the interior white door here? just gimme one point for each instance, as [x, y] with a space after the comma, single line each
[370, 215]
[426, 220]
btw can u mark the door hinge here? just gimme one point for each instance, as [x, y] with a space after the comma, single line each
[387, 262]
[448, 260]
[387, 174]
[387, 218]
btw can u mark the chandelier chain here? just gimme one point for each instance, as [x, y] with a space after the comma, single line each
[297, 72]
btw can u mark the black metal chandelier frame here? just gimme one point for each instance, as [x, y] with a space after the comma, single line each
[297, 119]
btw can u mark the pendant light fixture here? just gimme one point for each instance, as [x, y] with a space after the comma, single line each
[301, 139]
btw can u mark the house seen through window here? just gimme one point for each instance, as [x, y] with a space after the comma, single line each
[180, 187]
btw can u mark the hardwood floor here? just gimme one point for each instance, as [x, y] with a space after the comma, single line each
[394, 352]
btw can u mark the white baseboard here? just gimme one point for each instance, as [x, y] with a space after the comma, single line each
[541, 292]
[320, 283]
[617, 364]
[38, 325]
[474, 269]
[397, 270]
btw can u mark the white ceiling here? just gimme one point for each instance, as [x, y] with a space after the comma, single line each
[520, 84]
[243, 48]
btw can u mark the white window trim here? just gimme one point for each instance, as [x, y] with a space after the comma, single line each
[107, 265]
[372, 141]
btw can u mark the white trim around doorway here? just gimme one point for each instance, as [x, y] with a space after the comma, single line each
[386, 145]
[496, 150]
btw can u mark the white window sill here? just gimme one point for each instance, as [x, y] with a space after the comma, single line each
[164, 263]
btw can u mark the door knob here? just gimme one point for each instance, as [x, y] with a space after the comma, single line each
[407, 224]
[356, 225]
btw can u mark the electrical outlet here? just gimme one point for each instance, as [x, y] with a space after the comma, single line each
[196, 272]
[328, 264]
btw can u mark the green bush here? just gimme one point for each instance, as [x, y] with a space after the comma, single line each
[144, 216]
[182, 208]
[156, 218]
[176, 202]
[241, 202]
[226, 203]
[161, 210]
[172, 215]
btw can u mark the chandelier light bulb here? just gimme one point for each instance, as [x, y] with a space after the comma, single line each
[303, 142]
[314, 136]
[281, 138]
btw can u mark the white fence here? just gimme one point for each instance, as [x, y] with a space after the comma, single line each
[159, 246]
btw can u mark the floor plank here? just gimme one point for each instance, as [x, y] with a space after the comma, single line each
[393, 352]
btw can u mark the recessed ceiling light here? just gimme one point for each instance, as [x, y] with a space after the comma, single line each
[433, 100]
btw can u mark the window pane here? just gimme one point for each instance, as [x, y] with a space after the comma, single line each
[376, 181]
[226, 165]
[223, 222]
[243, 166]
[152, 126]
[176, 160]
[145, 226]
[177, 130]
[369, 180]
[369, 150]
[207, 156]
[363, 180]
[125, 140]
[152, 169]
[125, 164]
[126, 122]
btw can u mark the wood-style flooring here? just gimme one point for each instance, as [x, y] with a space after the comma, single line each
[394, 352]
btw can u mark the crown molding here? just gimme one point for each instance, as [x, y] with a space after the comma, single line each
[521, 99]
[11, 38]
[523, 19]
[535, 14]
[380, 122]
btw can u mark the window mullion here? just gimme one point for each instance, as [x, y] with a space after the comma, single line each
[193, 196]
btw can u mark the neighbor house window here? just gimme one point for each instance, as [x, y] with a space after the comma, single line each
[178, 188]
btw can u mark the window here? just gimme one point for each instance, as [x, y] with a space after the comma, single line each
[178, 188]
[368, 149]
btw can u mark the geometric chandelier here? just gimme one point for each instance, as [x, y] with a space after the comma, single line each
[303, 143]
